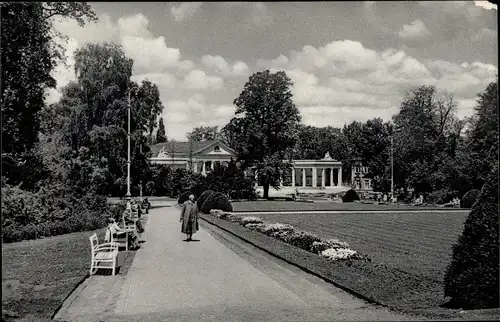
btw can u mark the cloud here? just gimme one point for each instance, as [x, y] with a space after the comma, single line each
[181, 116]
[335, 82]
[219, 64]
[416, 29]
[486, 5]
[344, 81]
[185, 10]
[198, 79]
[151, 54]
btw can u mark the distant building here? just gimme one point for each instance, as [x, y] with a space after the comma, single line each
[197, 156]
[358, 180]
[204, 156]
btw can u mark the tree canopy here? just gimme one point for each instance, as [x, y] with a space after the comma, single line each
[265, 127]
[161, 135]
[29, 53]
[204, 133]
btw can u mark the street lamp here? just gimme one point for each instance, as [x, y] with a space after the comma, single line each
[129, 195]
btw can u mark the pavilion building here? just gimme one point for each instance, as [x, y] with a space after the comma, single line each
[307, 176]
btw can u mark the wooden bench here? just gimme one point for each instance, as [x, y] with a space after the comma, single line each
[105, 256]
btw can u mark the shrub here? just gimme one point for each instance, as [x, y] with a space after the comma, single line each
[250, 220]
[255, 226]
[203, 197]
[335, 254]
[216, 200]
[301, 239]
[350, 196]
[472, 278]
[183, 197]
[53, 210]
[442, 196]
[319, 246]
[469, 198]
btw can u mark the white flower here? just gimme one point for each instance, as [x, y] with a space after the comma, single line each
[338, 253]
[278, 226]
[335, 243]
[250, 220]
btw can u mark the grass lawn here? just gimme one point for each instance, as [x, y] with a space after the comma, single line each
[37, 275]
[249, 206]
[409, 255]
[416, 243]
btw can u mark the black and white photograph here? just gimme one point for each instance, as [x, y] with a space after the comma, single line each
[249, 161]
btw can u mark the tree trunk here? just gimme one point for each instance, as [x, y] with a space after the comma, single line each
[266, 190]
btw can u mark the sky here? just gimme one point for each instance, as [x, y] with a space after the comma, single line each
[349, 61]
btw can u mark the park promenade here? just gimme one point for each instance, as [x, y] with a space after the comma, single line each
[216, 277]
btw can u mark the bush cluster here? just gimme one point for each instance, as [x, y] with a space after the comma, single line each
[216, 200]
[332, 249]
[442, 196]
[53, 210]
[469, 198]
[350, 196]
[183, 197]
[203, 197]
[472, 278]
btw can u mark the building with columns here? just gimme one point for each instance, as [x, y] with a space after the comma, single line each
[307, 176]
[199, 157]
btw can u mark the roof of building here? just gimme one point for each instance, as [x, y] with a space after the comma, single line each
[181, 148]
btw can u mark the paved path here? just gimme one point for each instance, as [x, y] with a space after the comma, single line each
[218, 278]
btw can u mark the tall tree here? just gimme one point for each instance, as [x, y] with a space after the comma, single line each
[161, 135]
[29, 53]
[265, 126]
[93, 113]
[204, 133]
[421, 130]
[481, 146]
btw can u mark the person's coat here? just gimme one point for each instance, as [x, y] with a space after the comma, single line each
[189, 209]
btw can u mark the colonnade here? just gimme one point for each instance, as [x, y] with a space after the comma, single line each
[314, 178]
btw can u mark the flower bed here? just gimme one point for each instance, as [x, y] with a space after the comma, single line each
[331, 249]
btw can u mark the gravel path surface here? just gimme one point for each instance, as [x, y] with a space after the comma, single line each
[217, 278]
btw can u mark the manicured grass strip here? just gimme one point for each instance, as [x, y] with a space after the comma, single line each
[408, 242]
[38, 275]
[250, 206]
[374, 282]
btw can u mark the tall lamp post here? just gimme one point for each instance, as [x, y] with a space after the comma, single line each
[129, 195]
[392, 166]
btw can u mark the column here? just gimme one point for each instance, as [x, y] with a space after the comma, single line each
[187, 165]
[315, 177]
[293, 177]
[204, 168]
[331, 177]
[212, 165]
[256, 179]
[304, 177]
[340, 177]
[195, 166]
[323, 177]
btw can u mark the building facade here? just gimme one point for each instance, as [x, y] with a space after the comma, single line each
[359, 181]
[323, 175]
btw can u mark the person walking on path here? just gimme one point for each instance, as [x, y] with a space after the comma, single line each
[189, 218]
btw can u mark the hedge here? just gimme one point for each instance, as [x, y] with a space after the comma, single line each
[472, 278]
[217, 200]
[183, 197]
[350, 196]
[52, 210]
[203, 197]
[469, 198]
